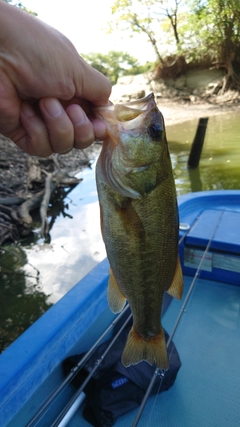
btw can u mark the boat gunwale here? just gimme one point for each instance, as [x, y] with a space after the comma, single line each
[29, 360]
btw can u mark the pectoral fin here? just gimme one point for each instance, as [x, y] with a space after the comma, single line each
[116, 299]
[176, 288]
[131, 221]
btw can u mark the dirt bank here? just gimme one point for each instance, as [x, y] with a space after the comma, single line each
[178, 112]
[28, 183]
[15, 164]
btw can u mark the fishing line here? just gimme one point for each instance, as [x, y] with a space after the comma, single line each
[183, 227]
[161, 371]
[74, 371]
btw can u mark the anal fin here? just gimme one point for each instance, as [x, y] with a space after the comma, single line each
[176, 287]
[116, 299]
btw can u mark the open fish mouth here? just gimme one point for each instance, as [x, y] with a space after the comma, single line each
[128, 115]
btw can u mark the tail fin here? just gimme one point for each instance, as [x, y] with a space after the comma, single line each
[152, 350]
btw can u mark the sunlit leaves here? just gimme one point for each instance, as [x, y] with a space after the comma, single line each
[115, 64]
[150, 17]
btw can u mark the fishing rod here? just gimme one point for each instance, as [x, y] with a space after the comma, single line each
[41, 412]
[74, 371]
[77, 400]
[97, 364]
[159, 371]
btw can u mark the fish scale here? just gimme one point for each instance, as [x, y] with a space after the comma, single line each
[139, 223]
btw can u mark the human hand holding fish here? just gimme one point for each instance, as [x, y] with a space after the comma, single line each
[47, 91]
[139, 222]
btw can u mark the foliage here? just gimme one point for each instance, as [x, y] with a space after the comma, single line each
[115, 64]
[20, 5]
[215, 25]
[149, 17]
[202, 30]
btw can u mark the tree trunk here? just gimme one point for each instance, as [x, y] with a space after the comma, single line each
[151, 38]
[231, 79]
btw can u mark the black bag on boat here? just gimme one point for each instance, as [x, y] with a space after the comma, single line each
[113, 389]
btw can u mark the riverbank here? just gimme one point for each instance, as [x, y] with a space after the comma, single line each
[14, 162]
[178, 111]
[23, 190]
[36, 271]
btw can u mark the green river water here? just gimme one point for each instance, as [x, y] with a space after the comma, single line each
[36, 274]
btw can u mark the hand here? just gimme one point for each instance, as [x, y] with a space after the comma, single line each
[47, 90]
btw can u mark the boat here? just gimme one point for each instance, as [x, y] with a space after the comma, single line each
[204, 326]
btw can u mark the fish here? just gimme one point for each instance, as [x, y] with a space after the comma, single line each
[139, 223]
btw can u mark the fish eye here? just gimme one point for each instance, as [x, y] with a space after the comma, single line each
[155, 132]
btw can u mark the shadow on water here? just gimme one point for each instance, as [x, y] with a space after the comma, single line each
[22, 300]
[37, 273]
[20, 305]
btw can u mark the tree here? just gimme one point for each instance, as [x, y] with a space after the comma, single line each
[147, 16]
[216, 26]
[113, 64]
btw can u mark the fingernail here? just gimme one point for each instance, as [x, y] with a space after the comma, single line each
[66, 151]
[77, 115]
[53, 107]
[27, 110]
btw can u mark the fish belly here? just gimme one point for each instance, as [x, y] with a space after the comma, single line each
[141, 238]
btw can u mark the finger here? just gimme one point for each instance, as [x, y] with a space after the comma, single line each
[100, 129]
[94, 86]
[83, 128]
[9, 106]
[59, 126]
[32, 136]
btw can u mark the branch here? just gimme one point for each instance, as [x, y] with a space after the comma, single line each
[49, 186]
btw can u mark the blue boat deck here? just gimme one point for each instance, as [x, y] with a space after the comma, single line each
[206, 391]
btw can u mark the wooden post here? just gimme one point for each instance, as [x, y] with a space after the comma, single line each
[196, 149]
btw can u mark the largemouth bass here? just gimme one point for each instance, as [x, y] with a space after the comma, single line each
[139, 223]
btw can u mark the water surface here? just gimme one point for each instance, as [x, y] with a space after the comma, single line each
[219, 167]
[37, 273]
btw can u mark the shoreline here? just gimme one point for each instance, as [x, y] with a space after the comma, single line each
[175, 112]
[13, 161]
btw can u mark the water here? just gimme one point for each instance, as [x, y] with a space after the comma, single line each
[37, 273]
[219, 167]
